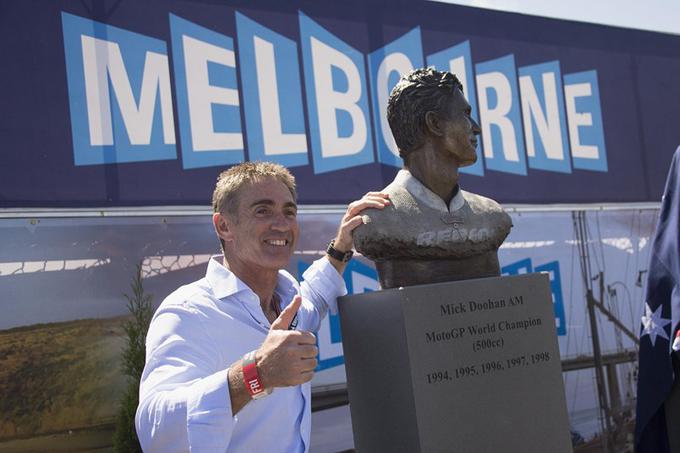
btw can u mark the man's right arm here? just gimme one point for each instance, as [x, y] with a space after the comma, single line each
[185, 392]
[187, 399]
[285, 358]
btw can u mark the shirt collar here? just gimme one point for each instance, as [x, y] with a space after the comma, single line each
[416, 188]
[225, 283]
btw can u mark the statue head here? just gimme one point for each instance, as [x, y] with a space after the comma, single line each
[418, 92]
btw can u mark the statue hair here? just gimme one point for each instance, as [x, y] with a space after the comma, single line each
[418, 92]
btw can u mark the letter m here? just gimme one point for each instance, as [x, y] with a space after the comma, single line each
[119, 94]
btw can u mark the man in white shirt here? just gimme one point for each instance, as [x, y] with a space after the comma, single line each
[230, 357]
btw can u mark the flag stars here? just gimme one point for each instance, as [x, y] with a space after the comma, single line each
[653, 324]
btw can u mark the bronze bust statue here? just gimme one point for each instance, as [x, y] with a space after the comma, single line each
[432, 231]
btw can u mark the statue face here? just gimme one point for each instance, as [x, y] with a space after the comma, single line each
[460, 131]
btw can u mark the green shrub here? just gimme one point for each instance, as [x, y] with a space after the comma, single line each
[139, 304]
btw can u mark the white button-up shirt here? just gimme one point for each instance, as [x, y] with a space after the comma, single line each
[195, 335]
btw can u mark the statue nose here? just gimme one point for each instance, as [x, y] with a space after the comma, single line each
[475, 127]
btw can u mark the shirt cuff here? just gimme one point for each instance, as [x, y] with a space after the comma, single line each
[209, 417]
[326, 282]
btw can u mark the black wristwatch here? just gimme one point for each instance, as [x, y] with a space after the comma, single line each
[337, 254]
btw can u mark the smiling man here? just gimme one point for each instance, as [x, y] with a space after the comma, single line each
[433, 231]
[230, 357]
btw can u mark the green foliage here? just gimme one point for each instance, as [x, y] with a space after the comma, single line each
[125, 438]
[139, 305]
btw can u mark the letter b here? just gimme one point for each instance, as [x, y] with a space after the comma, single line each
[335, 81]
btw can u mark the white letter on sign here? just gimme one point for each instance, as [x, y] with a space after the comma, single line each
[325, 58]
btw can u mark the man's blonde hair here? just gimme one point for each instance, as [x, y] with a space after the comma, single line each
[229, 183]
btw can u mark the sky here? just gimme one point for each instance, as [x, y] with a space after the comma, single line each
[654, 15]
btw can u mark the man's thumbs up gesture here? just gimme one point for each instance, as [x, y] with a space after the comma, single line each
[287, 315]
[287, 357]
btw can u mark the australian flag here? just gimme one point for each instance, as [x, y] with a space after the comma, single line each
[660, 322]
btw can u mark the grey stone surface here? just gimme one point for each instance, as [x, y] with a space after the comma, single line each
[469, 366]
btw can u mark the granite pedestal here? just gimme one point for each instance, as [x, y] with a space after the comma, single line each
[466, 366]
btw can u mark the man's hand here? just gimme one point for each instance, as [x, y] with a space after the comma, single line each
[344, 242]
[352, 218]
[287, 357]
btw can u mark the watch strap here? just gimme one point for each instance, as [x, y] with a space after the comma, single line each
[337, 254]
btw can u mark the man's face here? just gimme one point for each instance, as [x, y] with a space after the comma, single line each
[263, 234]
[460, 131]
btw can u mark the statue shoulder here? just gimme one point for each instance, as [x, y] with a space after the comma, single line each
[386, 225]
[490, 209]
[402, 203]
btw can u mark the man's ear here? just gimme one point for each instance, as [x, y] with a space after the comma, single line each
[433, 124]
[222, 227]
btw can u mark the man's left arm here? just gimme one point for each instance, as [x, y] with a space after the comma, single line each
[322, 283]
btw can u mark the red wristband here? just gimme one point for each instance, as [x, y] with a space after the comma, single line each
[251, 378]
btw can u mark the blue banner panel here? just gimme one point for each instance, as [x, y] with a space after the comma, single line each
[119, 92]
[145, 103]
[586, 132]
[207, 95]
[525, 266]
[458, 61]
[272, 94]
[553, 270]
[386, 66]
[544, 118]
[499, 106]
[337, 99]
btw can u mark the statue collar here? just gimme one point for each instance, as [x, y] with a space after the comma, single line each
[405, 179]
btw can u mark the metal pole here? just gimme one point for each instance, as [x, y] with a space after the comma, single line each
[582, 238]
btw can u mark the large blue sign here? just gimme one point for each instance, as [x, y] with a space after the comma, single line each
[152, 110]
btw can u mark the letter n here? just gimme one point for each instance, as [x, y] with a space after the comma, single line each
[337, 99]
[545, 123]
[119, 94]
